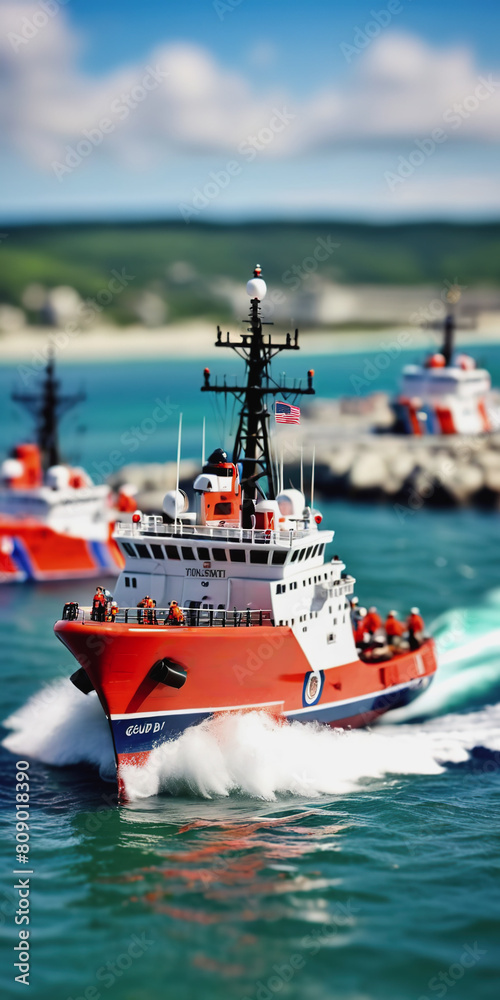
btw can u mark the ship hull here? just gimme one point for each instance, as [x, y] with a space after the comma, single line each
[259, 668]
[29, 550]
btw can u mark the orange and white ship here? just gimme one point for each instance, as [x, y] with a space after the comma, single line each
[447, 394]
[55, 523]
[238, 608]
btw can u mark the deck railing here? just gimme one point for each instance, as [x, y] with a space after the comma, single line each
[193, 617]
[154, 526]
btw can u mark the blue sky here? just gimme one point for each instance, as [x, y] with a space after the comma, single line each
[317, 116]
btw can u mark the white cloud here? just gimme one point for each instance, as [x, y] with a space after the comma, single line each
[398, 89]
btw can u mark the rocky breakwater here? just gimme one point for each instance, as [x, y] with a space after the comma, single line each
[411, 471]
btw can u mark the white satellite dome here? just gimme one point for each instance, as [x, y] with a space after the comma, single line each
[57, 477]
[175, 502]
[11, 468]
[256, 287]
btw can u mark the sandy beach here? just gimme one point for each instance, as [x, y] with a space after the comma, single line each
[31, 345]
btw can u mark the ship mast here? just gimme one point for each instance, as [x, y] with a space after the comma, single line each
[251, 446]
[47, 407]
[449, 324]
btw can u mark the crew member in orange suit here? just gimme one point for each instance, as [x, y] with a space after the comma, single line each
[372, 622]
[99, 605]
[415, 626]
[148, 616]
[394, 629]
[175, 615]
[359, 631]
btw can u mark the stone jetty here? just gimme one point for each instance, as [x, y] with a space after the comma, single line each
[357, 457]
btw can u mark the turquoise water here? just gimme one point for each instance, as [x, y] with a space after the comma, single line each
[254, 860]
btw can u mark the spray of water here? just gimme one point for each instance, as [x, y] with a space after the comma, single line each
[248, 753]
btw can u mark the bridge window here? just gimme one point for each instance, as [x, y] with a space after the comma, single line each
[278, 558]
[302, 554]
[259, 556]
[158, 551]
[187, 552]
[172, 551]
[129, 549]
[321, 549]
[237, 555]
[308, 553]
[294, 555]
[220, 555]
[143, 551]
[203, 553]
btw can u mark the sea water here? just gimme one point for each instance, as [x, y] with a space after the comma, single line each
[256, 859]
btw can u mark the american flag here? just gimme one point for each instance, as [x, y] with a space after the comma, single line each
[286, 414]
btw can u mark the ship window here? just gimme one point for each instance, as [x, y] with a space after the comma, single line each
[172, 551]
[278, 558]
[294, 555]
[334, 621]
[134, 581]
[259, 557]
[219, 555]
[280, 622]
[127, 581]
[302, 554]
[129, 549]
[158, 551]
[237, 555]
[143, 551]
[315, 549]
[203, 553]
[331, 637]
[308, 553]
[321, 549]
[187, 552]
[222, 508]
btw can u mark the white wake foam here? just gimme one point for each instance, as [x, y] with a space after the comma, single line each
[251, 753]
[262, 758]
[60, 726]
